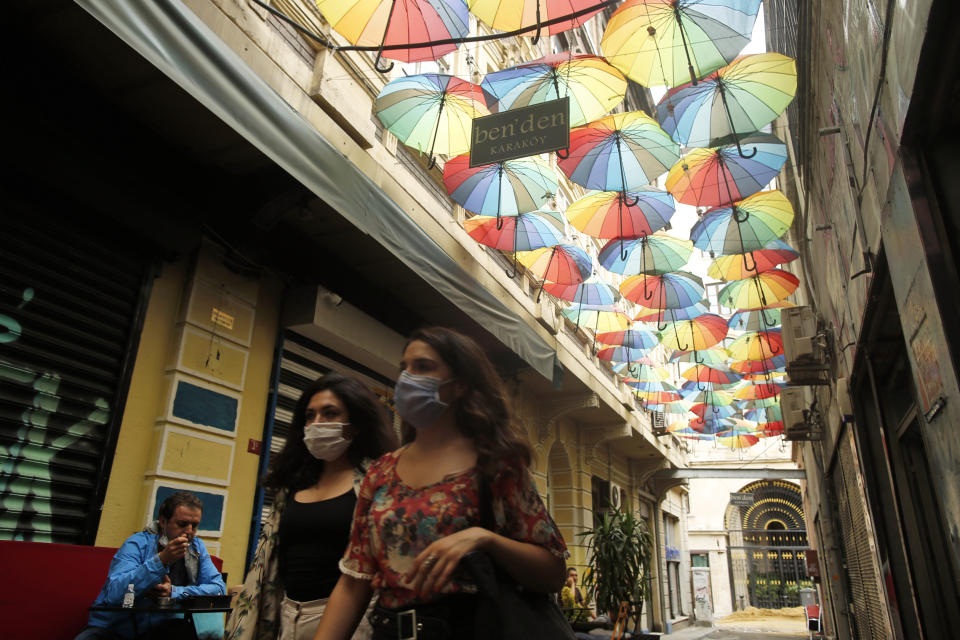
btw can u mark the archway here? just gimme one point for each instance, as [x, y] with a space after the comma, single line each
[560, 489]
[767, 539]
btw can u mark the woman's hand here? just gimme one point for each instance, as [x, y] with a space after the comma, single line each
[433, 568]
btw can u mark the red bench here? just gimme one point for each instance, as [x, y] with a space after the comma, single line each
[46, 588]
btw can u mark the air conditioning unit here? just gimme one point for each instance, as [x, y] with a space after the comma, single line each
[799, 326]
[615, 495]
[798, 424]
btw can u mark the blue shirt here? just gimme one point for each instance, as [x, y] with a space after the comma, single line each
[137, 562]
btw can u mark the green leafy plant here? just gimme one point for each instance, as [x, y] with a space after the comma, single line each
[620, 556]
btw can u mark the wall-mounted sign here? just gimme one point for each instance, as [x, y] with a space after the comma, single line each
[741, 499]
[516, 133]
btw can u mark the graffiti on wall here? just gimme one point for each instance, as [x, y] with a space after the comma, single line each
[33, 495]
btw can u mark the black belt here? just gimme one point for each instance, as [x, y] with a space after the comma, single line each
[433, 621]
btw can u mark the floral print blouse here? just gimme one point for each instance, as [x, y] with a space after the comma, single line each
[394, 522]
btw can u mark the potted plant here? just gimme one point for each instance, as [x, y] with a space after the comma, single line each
[619, 556]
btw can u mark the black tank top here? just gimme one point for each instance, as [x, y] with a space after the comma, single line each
[313, 538]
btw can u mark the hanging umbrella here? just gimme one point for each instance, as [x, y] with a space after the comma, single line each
[757, 391]
[593, 86]
[674, 290]
[695, 334]
[655, 254]
[756, 345]
[667, 42]
[746, 225]
[621, 152]
[770, 414]
[522, 232]
[713, 375]
[703, 410]
[642, 371]
[600, 319]
[738, 440]
[764, 365]
[511, 15]
[710, 424]
[714, 357]
[735, 100]
[385, 23]
[561, 263]
[634, 337]
[624, 354]
[710, 397]
[758, 291]
[750, 320]
[431, 112]
[737, 267]
[659, 316]
[502, 188]
[618, 214]
[591, 292]
[716, 176]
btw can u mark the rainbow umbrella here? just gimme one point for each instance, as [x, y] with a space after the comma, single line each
[775, 375]
[431, 112]
[502, 188]
[620, 152]
[561, 263]
[383, 23]
[757, 391]
[593, 86]
[716, 176]
[637, 371]
[653, 254]
[512, 15]
[522, 232]
[738, 440]
[756, 345]
[760, 403]
[658, 316]
[674, 290]
[758, 291]
[634, 337]
[713, 375]
[695, 334]
[746, 225]
[764, 365]
[714, 357]
[600, 319]
[734, 100]
[622, 214]
[665, 42]
[736, 267]
[591, 292]
[691, 387]
[623, 354]
[770, 414]
[710, 424]
[751, 320]
[710, 397]
[704, 410]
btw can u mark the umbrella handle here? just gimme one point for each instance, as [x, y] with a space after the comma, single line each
[563, 154]
[376, 63]
[700, 386]
[432, 163]
[383, 40]
[747, 267]
[733, 129]
[536, 38]
[540, 290]
[512, 274]
[696, 359]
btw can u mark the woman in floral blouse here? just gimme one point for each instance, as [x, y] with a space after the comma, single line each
[418, 512]
[338, 426]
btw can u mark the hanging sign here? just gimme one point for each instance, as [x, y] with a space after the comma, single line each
[517, 133]
[741, 499]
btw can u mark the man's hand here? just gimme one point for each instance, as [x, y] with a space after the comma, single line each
[175, 549]
[161, 590]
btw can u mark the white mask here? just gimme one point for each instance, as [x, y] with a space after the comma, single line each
[325, 440]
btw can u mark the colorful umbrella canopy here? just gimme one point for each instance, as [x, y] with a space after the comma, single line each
[620, 152]
[746, 225]
[756, 345]
[758, 291]
[703, 410]
[735, 100]
[395, 22]
[715, 357]
[522, 232]
[738, 440]
[713, 375]
[716, 176]
[600, 319]
[623, 354]
[709, 397]
[431, 112]
[503, 188]
[751, 320]
[743, 265]
[764, 365]
[711, 423]
[758, 391]
[593, 86]
[659, 316]
[695, 334]
[760, 416]
[616, 214]
[561, 263]
[674, 290]
[643, 371]
[666, 42]
[511, 15]
[653, 254]
[592, 292]
[634, 338]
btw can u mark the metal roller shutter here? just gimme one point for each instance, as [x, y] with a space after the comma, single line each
[868, 609]
[71, 305]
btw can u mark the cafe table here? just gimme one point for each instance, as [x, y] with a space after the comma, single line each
[186, 607]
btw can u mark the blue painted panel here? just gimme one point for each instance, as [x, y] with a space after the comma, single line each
[206, 407]
[212, 519]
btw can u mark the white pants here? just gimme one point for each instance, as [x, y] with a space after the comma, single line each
[299, 620]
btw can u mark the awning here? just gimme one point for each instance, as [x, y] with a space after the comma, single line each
[179, 44]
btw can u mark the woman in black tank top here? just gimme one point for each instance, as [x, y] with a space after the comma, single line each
[338, 426]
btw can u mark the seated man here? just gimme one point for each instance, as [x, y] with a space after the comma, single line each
[166, 559]
[571, 600]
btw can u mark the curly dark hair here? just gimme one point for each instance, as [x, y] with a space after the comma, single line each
[295, 468]
[482, 412]
[178, 499]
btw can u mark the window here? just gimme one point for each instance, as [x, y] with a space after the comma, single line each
[600, 490]
[699, 560]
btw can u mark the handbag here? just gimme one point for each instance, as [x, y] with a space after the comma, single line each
[505, 610]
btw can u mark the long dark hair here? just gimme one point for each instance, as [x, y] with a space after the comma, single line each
[295, 467]
[482, 412]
